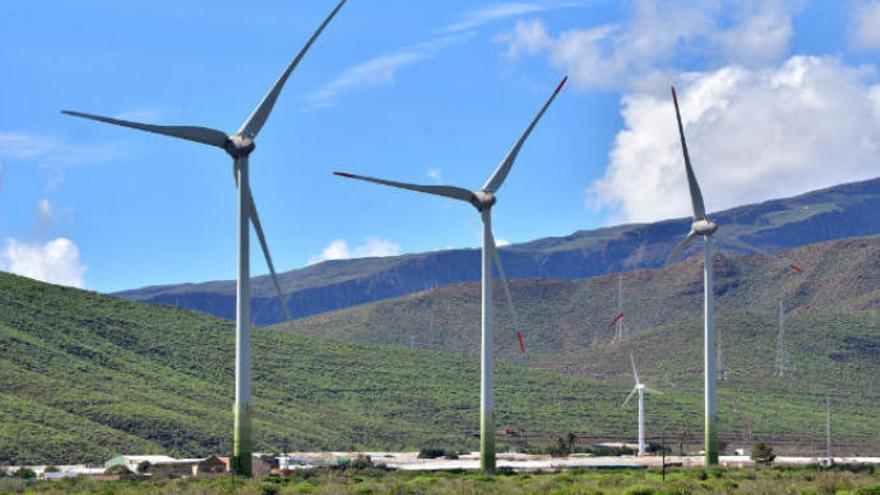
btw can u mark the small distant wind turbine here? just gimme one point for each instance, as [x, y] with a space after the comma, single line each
[617, 321]
[482, 200]
[640, 389]
[239, 146]
[704, 227]
[782, 365]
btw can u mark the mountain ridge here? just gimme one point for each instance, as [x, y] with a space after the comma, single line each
[831, 213]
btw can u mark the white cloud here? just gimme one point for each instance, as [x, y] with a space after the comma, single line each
[646, 45]
[865, 25]
[56, 261]
[43, 215]
[501, 242]
[435, 175]
[144, 114]
[484, 15]
[379, 71]
[753, 134]
[761, 34]
[373, 247]
[49, 150]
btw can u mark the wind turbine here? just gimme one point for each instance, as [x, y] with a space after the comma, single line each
[617, 321]
[482, 200]
[639, 388]
[239, 146]
[782, 365]
[703, 226]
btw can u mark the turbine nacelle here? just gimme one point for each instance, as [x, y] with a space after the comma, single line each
[483, 200]
[704, 226]
[239, 145]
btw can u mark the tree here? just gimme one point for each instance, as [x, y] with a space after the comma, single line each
[25, 473]
[763, 454]
[570, 438]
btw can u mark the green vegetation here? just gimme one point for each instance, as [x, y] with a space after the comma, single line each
[806, 481]
[87, 376]
[832, 326]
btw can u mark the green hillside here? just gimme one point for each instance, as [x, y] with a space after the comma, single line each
[832, 328]
[85, 376]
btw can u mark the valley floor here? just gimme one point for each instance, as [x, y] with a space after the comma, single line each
[778, 480]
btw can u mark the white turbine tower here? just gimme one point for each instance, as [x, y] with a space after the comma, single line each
[617, 321]
[782, 365]
[482, 200]
[640, 389]
[239, 146]
[705, 228]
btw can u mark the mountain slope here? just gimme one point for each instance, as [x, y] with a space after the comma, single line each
[86, 376]
[833, 213]
[832, 327]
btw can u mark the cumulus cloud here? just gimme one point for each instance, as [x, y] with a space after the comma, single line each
[753, 134]
[865, 25]
[56, 261]
[373, 247]
[648, 43]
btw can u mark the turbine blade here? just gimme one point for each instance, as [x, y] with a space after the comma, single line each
[258, 228]
[651, 390]
[497, 259]
[254, 123]
[202, 135]
[503, 169]
[635, 371]
[255, 220]
[744, 245]
[628, 397]
[678, 249]
[617, 317]
[696, 195]
[445, 191]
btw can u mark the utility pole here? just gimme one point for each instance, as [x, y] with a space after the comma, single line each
[828, 431]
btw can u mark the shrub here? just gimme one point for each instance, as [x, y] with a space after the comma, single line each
[51, 469]
[361, 462]
[431, 453]
[268, 489]
[639, 490]
[117, 469]
[25, 473]
[869, 490]
[763, 454]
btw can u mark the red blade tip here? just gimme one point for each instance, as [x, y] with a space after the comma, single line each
[616, 319]
[796, 268]
[344, 174]
[561, 84]
[522, 345]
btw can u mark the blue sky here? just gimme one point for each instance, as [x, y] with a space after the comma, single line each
[778, 98]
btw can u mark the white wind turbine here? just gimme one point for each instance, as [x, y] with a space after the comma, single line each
[617, 321]
[781, 365]
[704, 227]
[639, 388]
[239, 146]
[482, 200]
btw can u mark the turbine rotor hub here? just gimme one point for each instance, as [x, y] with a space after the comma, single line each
[483, 200]
[239, 146]
[704, 226]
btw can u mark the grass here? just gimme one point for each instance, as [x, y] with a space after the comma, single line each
[832, 323]
[806, 481]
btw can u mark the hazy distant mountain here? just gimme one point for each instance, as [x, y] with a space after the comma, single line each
[838, 212]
